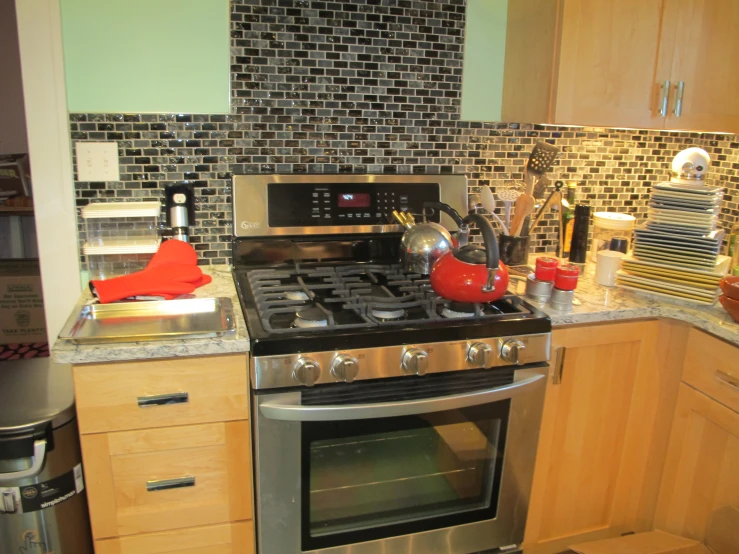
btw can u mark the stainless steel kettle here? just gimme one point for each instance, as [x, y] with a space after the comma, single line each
[424, 243]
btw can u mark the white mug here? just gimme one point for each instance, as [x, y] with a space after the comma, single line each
[606, 266]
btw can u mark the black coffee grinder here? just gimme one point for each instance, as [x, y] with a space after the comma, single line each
[180, 206]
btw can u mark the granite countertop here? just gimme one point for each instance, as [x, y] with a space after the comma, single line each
[221, 287]
[593, 304]
[597, 304]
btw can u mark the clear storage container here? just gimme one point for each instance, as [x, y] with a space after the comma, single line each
[114, 223]
[120, 237]
[608, 226]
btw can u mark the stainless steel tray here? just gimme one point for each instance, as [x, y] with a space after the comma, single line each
[151, 320]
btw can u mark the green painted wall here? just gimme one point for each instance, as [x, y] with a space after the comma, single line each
[136, 56]
[484, 60]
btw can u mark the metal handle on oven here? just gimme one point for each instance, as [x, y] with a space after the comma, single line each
[296, 412]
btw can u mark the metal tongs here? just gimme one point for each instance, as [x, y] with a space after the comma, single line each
[555, 199]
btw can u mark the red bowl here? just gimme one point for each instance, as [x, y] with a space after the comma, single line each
[730, 286]
[731, 306]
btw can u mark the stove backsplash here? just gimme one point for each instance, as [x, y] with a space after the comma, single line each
[368, 86]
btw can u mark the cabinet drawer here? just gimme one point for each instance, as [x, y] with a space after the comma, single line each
[159, 479]
[161, 393]
[712, 367]
[230, 538]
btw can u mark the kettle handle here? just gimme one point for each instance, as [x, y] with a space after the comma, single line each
[492, 254]
[464, 230]
[447, 209]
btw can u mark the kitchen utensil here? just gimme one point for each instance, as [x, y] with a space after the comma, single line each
[606, 267]
[514, 250]
[472, 273]
[488, 202]
[524, 206]
[508, 196]
[546, 268]
[401, 218]
[423, 244]
[566, 276]
[540, 162]
[561, 299]
[463, 230]
[541, 187]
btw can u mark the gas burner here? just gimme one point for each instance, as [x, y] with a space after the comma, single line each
[296, 295]
[310, 318]
[458, 310]
[388, 313]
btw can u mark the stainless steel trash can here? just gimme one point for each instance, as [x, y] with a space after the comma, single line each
[43, 506]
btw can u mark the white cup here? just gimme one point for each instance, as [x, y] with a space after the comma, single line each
[607, 264]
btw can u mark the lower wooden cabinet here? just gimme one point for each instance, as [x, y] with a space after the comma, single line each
[229, 538]
[605, 428]
[158, 479]
[702, 468]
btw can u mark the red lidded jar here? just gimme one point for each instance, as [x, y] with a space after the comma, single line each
[566, 277]
[546, 268]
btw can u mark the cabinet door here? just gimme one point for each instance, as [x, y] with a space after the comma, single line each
[607, 64]
[702, 468]
[706, 58]
[604, 433]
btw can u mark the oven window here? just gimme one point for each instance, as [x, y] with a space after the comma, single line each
[374, 478]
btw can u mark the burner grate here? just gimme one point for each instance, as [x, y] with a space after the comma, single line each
[354, 297]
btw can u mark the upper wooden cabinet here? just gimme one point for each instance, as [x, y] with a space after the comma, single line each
[656, 64]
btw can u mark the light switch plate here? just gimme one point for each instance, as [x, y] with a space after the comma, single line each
[97, 161]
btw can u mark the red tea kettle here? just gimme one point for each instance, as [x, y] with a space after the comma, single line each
[472, 273]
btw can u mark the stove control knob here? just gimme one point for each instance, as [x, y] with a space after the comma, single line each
[481, 355]
[345, 368]
[306, 371]
[415, 361]
[512, 351]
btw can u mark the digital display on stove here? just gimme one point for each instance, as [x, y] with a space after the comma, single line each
[354, 200]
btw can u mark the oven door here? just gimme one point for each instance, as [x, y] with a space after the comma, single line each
[441, 464]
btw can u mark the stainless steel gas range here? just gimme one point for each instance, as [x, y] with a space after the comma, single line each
[386, 419]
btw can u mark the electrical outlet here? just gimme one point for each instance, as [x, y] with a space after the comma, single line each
[97, 161]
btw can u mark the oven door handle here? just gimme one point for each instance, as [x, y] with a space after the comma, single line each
[296, 412]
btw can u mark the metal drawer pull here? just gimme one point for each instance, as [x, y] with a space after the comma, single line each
[163, 399]
[665, 99]
[559, 365]
[679, 98]
[726, 379]
[166, 484]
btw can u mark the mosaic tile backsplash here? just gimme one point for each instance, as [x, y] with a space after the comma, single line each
[368, 86]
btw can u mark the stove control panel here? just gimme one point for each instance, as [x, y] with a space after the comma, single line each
[298, 205]
[271, 372]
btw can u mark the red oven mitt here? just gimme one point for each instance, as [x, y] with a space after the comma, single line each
[171, 272]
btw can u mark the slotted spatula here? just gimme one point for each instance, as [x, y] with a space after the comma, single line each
[540, 162]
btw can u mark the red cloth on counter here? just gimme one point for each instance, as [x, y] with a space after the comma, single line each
[172, 271]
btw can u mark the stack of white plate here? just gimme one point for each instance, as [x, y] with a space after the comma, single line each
[677, 252]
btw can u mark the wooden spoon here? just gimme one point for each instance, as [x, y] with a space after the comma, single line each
[524, 207]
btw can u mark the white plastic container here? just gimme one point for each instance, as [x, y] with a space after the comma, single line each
[607, 226]
[121, 237]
